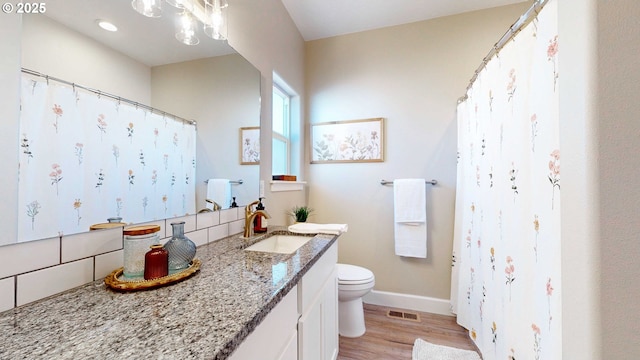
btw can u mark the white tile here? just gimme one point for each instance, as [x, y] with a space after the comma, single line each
[228, 215]
[198, 237]
[7, 293]
[189, 223]
[241, 213]
[46, 282]
[218, 232]
[236, 227]
[164, 240]
[207, 219]
[29, 256]
[106, 263]
[80, 246]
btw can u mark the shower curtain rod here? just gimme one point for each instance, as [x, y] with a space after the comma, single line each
[515, 28]
[115, 97]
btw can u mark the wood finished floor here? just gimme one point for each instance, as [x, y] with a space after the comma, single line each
[392, 339]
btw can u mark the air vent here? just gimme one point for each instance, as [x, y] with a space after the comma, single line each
[403, 315]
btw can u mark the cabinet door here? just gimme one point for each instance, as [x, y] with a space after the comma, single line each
[318, 304]
[310, 334]
[291, 351]
[318, 326]
[330, 318]
[272, 339]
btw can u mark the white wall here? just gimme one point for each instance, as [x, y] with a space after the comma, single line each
[264, 34]
[10, 33]
[411, 75]
[222, 94]
[599, 85]
[577, 82]
[55, 50]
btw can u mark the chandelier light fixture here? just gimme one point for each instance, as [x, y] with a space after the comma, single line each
[186, 29]
[148, 8]
[215, 25]
[212, 14]
[181, 4]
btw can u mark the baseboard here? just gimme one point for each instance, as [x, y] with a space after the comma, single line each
[409, 302]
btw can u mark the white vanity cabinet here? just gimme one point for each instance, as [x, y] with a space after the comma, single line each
[304, 324]
[318, 307]
[276, 336]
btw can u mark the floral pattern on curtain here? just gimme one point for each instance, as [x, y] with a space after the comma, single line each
[85, 158]
[506, 254]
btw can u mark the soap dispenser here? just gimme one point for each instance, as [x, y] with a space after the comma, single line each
[260, 222]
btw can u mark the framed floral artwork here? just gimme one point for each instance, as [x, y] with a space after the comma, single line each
[348, 141]
[250, 145]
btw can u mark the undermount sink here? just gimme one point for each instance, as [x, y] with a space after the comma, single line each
[280, 244]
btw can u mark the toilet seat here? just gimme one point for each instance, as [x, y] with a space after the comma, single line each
[354, 275]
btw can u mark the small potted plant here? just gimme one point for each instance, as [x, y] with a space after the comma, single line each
[300, 213]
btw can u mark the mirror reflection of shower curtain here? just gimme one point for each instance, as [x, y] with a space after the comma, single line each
[506, 260]
[85, 158]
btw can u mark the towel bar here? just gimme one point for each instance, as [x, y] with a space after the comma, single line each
[239, 182]
[390, 182]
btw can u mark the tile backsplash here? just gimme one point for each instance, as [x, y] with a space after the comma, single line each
[37, 269]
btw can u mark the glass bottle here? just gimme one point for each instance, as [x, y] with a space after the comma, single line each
[156, 262]
[137, 240]
[181, 249]
[259, 222]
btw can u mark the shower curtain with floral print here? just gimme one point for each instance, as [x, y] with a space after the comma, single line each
[85, 158]
[506, 255]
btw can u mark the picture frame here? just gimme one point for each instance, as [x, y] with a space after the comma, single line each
[250, 145]
[348, 141]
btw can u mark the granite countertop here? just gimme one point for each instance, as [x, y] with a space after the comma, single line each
[203, 317]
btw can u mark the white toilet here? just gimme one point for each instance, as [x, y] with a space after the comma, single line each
[353, 283]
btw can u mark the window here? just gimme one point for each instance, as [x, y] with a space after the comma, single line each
[281, 148]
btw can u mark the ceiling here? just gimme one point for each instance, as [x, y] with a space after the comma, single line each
[318, 19]
[151, 40]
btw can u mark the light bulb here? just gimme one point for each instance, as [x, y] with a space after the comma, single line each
[148, 8]
[106, 25]
[186, 29]
[216, 19]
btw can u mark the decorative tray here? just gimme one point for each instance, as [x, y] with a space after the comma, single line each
[116, 281]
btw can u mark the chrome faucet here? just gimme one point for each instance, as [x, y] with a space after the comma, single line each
[250, 215]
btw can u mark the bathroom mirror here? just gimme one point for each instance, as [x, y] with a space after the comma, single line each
[209, 83]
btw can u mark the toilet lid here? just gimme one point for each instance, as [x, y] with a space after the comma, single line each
[353, 274]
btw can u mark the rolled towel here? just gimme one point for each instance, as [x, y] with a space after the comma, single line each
[312, 228]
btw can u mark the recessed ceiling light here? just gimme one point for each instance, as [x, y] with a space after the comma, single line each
[107, 25]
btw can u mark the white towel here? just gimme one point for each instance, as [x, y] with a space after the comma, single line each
[219, 190]
[410, 217]
[312, 228]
